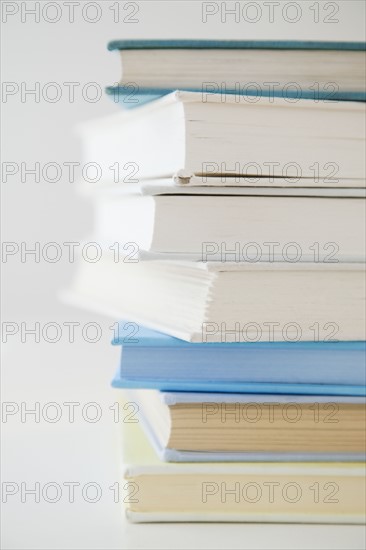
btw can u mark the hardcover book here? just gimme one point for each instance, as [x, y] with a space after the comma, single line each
[227, 300]
[151, 359]
[239, 492]
[330, 71]
[224, 427]
[186, 135]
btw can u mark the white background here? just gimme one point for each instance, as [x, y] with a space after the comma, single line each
[42, 372]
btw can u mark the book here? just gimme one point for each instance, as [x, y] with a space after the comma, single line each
[238, 492]
[226, 301]
[186, 135]
[187, 226]
[238, 185]
[221, 427]
[290, 69]
[152, 359]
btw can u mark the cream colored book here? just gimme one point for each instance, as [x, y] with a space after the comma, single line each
[238, 492]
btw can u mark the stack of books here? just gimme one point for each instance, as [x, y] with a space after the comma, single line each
[232, 225]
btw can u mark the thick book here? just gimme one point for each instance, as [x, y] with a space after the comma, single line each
[238, 492]
[186, 226]
[328, 71]
[226, 301]
[187, 135]
[153, 360]
[223, 427]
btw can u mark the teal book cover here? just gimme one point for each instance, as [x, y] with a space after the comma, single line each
[132, 95]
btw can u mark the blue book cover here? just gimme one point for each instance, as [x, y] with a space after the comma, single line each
[153, 360]
[133, 96]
